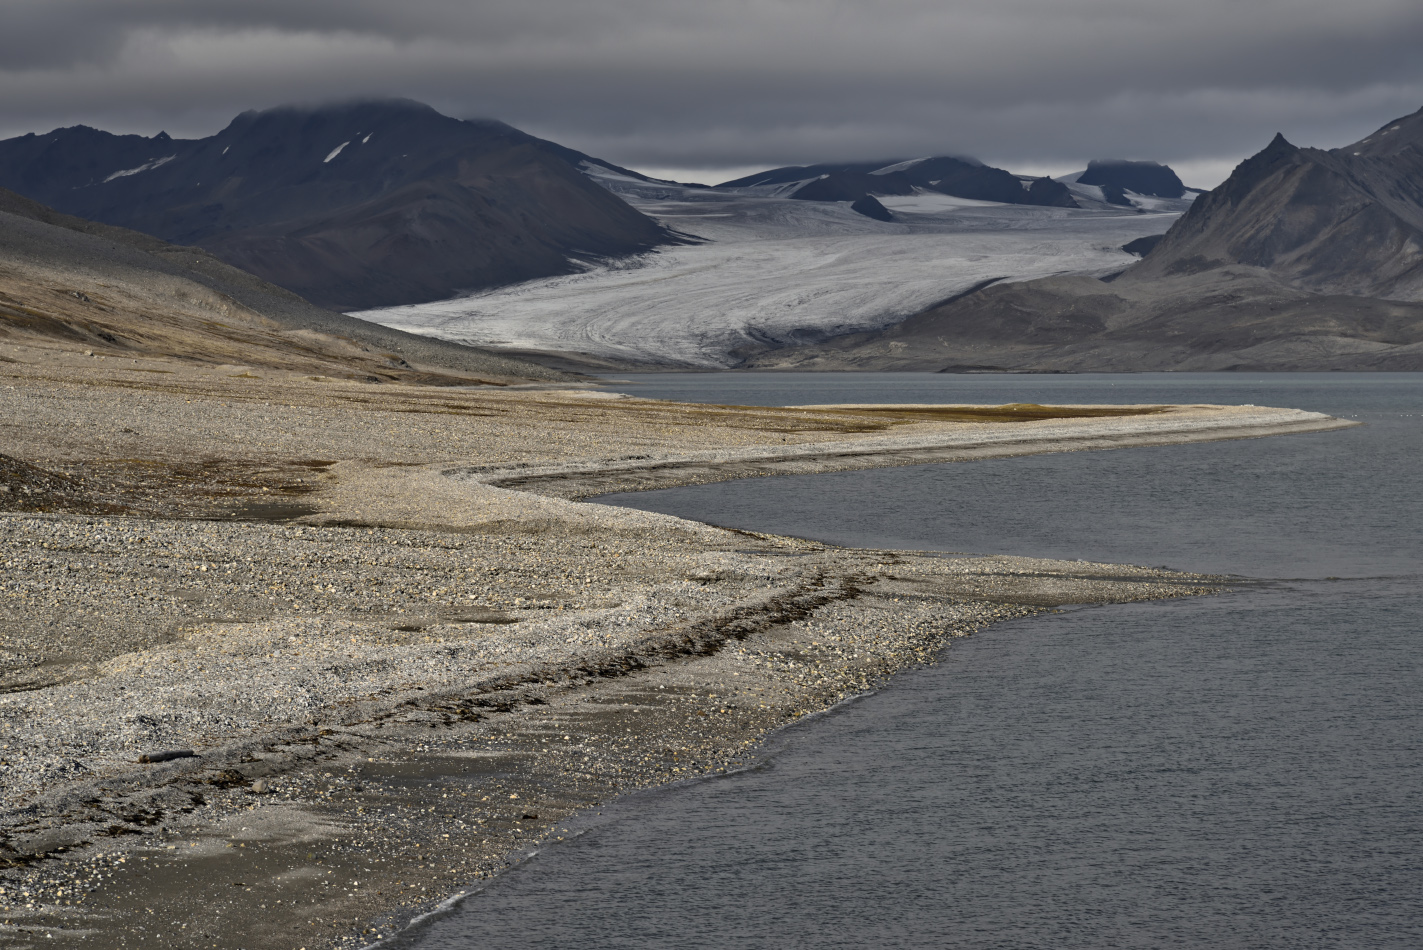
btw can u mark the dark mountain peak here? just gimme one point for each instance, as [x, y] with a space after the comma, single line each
[362, 116]
[85, 133]
[363, 146]
[46, 167]
[870, 207]
[1256, 169]
[1279, 147]
[354, 204]
[1144, 178]
[1324, 222]
[367, 107]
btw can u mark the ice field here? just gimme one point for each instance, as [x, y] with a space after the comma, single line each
[769, 271]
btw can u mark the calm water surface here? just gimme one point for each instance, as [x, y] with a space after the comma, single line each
[1237, 771]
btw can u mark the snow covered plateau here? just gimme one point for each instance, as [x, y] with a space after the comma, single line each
[766, 271]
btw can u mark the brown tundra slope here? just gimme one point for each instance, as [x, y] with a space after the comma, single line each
[71, 284]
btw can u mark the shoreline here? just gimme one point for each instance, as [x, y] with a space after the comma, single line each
[560, 738]
[369, 685]
[1207, 423]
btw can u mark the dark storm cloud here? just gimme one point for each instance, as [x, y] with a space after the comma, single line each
[697, 83]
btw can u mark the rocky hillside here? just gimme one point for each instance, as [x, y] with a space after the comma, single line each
[353, 207]
[1348, 221]
[74, 284]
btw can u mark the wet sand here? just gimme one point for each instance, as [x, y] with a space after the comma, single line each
[400, 652]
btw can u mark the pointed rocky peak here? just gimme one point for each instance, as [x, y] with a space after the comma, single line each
[870, 207]
[1258, 167]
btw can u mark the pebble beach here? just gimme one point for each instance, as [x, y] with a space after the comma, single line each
[288, 660]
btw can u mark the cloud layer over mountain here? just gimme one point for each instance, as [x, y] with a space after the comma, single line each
[696, 83]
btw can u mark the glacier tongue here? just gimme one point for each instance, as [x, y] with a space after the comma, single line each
[771, 271]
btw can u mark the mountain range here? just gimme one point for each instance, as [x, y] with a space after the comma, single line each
[355, 206]
[942, 174]
[1303, 259]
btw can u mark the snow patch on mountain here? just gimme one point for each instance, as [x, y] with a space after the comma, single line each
[142, 168]
[1091, 196]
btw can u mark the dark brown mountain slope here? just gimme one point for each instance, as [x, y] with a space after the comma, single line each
[1234, 318]
[355, 206]
[1302, 260]
[82, 285]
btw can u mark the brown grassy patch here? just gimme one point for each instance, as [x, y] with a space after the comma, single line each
[1011, 412]
[858, 419]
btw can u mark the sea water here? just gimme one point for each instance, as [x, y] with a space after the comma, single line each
[1241, 770]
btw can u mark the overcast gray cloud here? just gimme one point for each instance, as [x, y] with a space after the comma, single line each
[699, 84]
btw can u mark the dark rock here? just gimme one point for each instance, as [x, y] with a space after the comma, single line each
[37, 489]
[1144, 178]
[870, 207]
[1045, 191]
[226, 778]
[1113, 194]
[168, 756]
[1143, 246]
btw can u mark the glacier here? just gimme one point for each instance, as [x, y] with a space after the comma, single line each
[762, 271]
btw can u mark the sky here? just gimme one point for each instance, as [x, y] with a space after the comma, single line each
[710, 89]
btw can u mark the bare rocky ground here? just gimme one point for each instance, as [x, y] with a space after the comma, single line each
[393, 671]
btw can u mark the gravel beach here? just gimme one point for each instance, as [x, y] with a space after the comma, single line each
[286, 661]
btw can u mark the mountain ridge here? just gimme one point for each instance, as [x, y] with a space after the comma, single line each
[379, 202]
[1303, 259]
